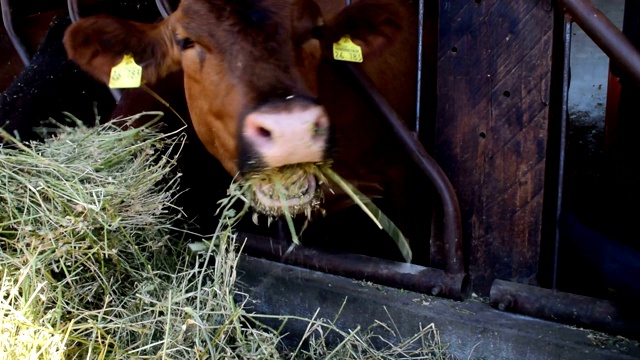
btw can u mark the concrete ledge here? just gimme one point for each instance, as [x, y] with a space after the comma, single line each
[472, 329]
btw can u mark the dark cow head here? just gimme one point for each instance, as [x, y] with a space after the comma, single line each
[250, 69]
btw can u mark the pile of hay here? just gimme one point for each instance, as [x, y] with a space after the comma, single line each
[89, 268]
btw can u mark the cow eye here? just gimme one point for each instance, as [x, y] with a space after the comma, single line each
[185, 43]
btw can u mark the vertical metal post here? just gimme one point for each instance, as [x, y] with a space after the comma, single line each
[562, 141]
[419, 69]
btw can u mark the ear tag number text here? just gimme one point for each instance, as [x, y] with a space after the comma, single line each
[346, 50]
[127, 74]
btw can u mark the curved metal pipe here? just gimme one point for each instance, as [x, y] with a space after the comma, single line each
[74, 13]
[452, 283]
[15, 40]
[451, 223]
[164, 8]
[605, 34]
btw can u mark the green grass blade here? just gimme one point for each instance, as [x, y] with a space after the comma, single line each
[373, 212]
[287, 213]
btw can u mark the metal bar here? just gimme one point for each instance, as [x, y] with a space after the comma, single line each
[451, 223]
[419, 69]
[567, 308]
[15, 40]
[563, 142]
[605, 34]
[74, 13]
[164, 8]
[380, 271]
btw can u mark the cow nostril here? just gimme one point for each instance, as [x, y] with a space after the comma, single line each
[320, 127]
[263, 132]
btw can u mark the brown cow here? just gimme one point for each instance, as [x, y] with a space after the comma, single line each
[262, 89]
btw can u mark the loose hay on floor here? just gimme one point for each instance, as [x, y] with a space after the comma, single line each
[88, 268]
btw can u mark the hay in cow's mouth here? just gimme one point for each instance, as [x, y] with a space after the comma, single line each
[289, 190]
[292, 190]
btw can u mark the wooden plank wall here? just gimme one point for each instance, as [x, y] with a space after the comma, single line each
[494, 72]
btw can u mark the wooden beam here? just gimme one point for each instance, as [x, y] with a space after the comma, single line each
[494, 72]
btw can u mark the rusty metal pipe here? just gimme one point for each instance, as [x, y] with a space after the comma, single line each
[395, 274]
[605, 34]
[567, 308]
[452, 283]
[451, 223]
[15, 40]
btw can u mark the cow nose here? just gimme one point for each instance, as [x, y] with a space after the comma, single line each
[284, 136]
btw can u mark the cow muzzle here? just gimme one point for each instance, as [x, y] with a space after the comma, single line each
[280, 144]
[276, 136]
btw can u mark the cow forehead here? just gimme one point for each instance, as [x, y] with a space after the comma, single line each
[226, 22]
[252, 37]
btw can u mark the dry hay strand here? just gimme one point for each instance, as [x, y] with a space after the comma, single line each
[82, 217]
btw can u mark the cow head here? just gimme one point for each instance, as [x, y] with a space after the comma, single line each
[250, 69]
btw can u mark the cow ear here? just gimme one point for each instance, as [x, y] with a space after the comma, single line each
[98, 43]
[374, 25]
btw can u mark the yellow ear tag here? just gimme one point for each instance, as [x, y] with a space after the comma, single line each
[346, 50]
[127, 74]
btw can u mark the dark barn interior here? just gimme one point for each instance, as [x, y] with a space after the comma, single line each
[528, 229]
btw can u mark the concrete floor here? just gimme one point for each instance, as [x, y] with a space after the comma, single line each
[470, 329]
[589, 70]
